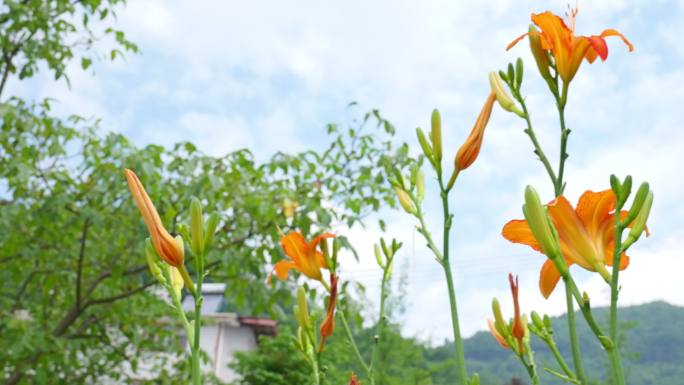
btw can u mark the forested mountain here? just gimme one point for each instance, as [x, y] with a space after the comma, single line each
[653, 344]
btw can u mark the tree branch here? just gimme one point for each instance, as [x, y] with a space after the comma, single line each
[81, 255]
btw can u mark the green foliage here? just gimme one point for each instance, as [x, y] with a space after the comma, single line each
[275, 362]
[77, 301]
[652, 342]
[55, 32]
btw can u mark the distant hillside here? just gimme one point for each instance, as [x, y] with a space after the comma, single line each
[653, 350]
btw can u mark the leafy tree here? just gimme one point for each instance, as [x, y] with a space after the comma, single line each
[77, 304]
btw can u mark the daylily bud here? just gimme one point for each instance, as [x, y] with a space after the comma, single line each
[639, 224]
[475, 379]
[163, 242]
[498, 317]
[537, 321]
[638, 203]
[436, 124]
[541, 56]
[405, 201]
[427, 150]
[303, 339]
[539, 223]
[470, 149]
[504, 99]
[420, 186]
[196, 227]
[302, 309]
[152, 258]
[210, 229]
[386, 250]
[547, 322]
[176, 280]
[378, 256]
[518, 72]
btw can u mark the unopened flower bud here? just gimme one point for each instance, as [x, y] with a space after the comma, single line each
[537, 320]
[638, 203]
[498, 317]
[152, 262]
[405, 201]
[176, 281]
[436, 125]
[420, 186]
[541, 56]
[639, 224]
[427, 150]
[210, 230]
[539, 223]
[504, 99]
[302, 309]
[470, 149]
[378, 256]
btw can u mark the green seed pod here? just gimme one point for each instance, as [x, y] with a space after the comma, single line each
[196, 227]
[436, 124]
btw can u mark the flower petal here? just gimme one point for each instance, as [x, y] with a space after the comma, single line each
[282, 269]
[294, 246]
[548, 278]
[518, 231]
[599, 46]
[593, 208]
[612, 32]
[496, 335]
[572, 233]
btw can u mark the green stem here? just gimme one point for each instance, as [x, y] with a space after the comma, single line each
[572, 332]
[458, 340]
[535, 142]
[196, 370]
[381, 320]
[355, 348]
[531, 369]
[559, 186]
[615, 360]
[559, 357]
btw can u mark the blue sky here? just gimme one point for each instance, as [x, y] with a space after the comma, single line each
[270, 75]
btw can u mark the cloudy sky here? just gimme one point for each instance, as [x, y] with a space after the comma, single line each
[270, 75]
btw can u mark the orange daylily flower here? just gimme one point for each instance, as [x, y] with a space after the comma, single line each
[586, 235]
[558, 38]
[303, 256]
[328, 324]
[470, 149]
[166, 245]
